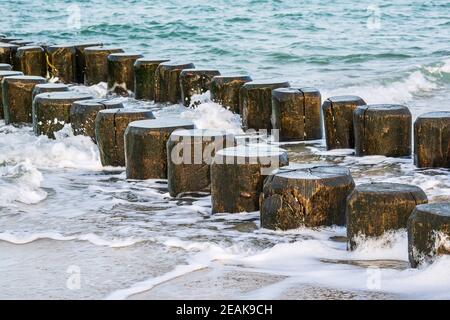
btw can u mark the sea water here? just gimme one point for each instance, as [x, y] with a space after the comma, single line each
[70, 228]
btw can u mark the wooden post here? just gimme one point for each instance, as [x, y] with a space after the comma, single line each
[432, 140]
[110, 126]
[305, 195]
[121, 72]
[83, 114]
[51, 111]
[5, 74]
[256, 103]
[382, 130]
[189, 156]
[145, 146]
[8, 53]
[375, 208]
[237, 176]
[428, 233]
[81, 59]
[62, 62]
[31, 61]
[195, 81]
[338, 120]
[296, 113]
[97, 64]
[17, 92]
[144, 77]
[225, 90]
[167, 88]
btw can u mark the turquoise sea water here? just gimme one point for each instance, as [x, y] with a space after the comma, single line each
[328, 44]
[70, 228]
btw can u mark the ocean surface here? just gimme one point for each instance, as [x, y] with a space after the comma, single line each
[70, 228]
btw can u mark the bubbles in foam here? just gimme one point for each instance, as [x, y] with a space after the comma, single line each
[401, 92]
[211, 115]
[21, 183]
[66, 151]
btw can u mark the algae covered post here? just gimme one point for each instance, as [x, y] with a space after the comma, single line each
[51, 111]
[189, 156]
[146, 146]
[17, 94]
[237, 176]
[121, 72]
[144, 77]
[110, 126]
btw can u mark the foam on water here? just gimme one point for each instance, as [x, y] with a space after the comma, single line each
[94, 239]
[398, 92]
[66, 151]
[22, 183]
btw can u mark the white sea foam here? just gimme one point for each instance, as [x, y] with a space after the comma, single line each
[390, 246]
[99, 90]
[205, 254]
[151, 283]
[66, 151]
[211, 115]
[401, 92]
[21, 239]
[21, 183]
[442, 69]
[206, 115]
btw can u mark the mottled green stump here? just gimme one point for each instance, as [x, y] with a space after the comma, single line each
[22, 43]
[31, 61]
[338, 120]
[432, 140]
[189, 156]
[5, 74]
[110, 126]
[237, 176]
[83, 114]
[81, 60]
[375, 208]
[144, 78]
[382, 130]
[49, 87]
[97, 64]
[8, 53]
[428, 233]
[256, 103]
[62, 62]
[296, 113]
[305, 195]
[51, 111]
[225, 90]
[121, 72]
[167, 81]
[5, 67]
[146, 146]
[195, 81]
[17, 92]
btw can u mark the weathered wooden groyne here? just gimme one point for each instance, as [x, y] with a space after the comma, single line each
[240, 177]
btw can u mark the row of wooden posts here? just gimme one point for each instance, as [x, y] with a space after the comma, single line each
[239, 177]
